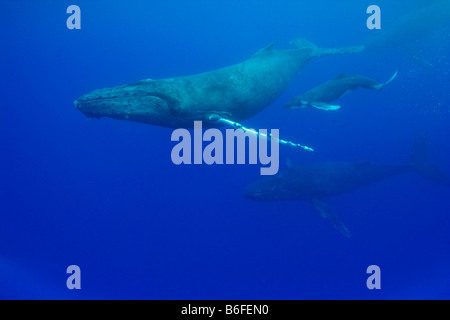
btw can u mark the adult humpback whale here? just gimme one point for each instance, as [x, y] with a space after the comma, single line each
[421, 22]
[315, 181]
[321, 96]
[234, 93]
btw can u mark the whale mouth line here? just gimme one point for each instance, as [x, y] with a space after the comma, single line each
[129, 95]
[94, 99]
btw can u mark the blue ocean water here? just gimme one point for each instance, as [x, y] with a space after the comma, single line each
[105, 195]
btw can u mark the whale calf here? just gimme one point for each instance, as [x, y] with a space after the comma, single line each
[321, 96]
[235, 93]
[316, 181]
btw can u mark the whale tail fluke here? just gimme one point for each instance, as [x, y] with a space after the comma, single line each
[382, 85]
[330, 51]
[302, 43]
[422, 165]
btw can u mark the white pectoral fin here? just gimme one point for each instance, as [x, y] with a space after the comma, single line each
[326, 212]
[220, 119]
[324, 106]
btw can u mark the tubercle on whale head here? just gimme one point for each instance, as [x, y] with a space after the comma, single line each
[128, 103]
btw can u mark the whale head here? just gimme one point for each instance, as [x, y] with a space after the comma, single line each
[130, 102]
[297, 103]
[267, 189]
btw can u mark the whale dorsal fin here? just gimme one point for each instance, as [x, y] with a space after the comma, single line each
[302, 43]
[264, 51]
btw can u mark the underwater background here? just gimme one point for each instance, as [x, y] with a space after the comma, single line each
[105, 195]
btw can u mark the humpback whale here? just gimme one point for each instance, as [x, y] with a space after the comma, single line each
[315, 181]
[321, 96]
[418, 23]
[234, 93]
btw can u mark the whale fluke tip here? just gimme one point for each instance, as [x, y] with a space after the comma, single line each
[382, 85]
